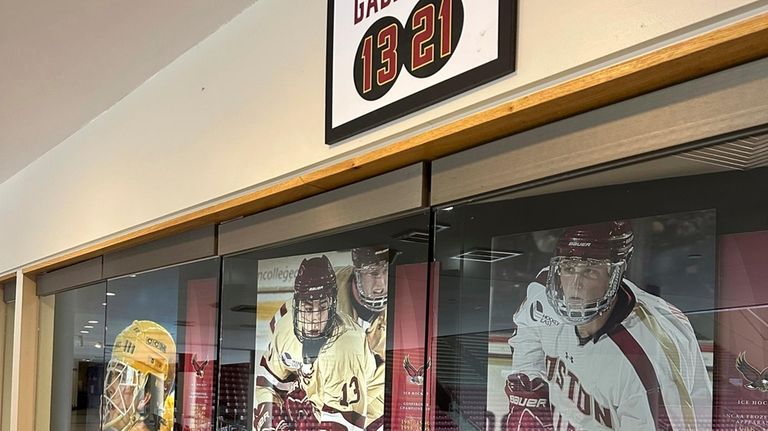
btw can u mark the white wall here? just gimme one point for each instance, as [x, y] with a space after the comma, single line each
[246, 106]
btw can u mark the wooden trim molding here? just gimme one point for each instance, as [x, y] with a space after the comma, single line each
[717, 50]
[24, 365]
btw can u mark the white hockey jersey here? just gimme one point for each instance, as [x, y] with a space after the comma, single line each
[643, 371]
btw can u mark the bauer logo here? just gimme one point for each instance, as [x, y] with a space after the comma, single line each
[528, 402]
[579, 244]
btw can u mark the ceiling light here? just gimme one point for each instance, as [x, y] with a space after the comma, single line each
[418, 235]
[87, 326]
[93, 322]
[414, 236]
[85, 332]
[111, 294]
[104, 304]
[487, 256]
[98, 345]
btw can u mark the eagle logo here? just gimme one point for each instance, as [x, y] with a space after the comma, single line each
[415, 376]
[758, 380]
[199, 366]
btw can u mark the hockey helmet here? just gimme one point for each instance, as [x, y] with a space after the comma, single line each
[371, 268]
[587, 269]
[139, 376]
[314, 299]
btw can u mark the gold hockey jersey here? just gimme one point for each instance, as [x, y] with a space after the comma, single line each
[336, 383]
[376, 339]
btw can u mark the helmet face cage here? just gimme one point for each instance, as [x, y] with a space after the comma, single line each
[313, 318]
[371, 285]
[582, 289]
[121, 380]
[314, 299]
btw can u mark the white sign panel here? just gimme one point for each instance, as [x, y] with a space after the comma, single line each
[387, 58]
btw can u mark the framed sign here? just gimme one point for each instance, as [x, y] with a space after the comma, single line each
[389, 58]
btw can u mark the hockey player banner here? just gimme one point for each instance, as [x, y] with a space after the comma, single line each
[412, 333]
[388, 58]
[741, 383]
[321, 340]
[605, 325]
[139, 383]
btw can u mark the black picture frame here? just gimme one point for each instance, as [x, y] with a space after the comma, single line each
[503, 65]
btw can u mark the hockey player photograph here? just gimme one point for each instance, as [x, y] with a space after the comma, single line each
[314, 373]
[139, 380]
[363, 292]
[591, 350]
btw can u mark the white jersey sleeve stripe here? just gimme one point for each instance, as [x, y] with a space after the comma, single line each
[645, 372]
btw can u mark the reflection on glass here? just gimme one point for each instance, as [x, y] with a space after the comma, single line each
[160, 347]
[78, 362]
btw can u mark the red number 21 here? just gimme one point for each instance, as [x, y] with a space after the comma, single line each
[424, 20]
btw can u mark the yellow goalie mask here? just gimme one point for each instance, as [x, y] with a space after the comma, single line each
[139, 377]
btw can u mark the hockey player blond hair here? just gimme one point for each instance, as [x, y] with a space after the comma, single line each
[139, 380]
[363, 291]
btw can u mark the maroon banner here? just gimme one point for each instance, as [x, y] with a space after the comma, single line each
[741, 365]
[199, 355]
[413, 324]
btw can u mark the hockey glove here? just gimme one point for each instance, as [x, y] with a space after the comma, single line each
[528, 404]
[300, 410]
[269, 417]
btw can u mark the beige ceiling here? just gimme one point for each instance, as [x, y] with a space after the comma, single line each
[65, 62]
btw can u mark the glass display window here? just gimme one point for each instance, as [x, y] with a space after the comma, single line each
[78, 358]
[329, 329]
[161, 348]
[624, 299]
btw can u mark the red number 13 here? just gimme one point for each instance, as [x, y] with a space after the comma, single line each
[386, 39]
